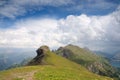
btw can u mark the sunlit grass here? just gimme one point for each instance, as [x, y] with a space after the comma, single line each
[57, 68]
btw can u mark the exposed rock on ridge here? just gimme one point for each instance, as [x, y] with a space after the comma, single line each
[41, 53]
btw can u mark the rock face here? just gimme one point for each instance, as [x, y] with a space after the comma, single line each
[42, 50]
[41, 53]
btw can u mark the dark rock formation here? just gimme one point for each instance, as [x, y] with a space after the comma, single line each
[41, 53]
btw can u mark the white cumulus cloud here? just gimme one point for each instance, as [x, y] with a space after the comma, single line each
[95, 32]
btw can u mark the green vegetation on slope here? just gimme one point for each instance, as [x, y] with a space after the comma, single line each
[57, 68]
[76, 53]
[88, 59]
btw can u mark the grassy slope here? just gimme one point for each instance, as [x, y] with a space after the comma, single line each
[86, 58]
[83, 54]
[58, 68]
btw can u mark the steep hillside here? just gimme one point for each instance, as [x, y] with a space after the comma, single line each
[53, 67]
[91, 61]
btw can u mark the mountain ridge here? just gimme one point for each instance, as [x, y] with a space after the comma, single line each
[93, 62]
[57, 68]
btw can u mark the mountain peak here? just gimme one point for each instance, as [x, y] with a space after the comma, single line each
[72, 46]
[41, 53]
[42, 50]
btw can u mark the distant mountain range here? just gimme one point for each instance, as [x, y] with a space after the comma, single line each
[116, 57]
[12, 57]
[113, 58]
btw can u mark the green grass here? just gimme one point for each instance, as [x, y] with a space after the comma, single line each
[93, 62]
[53, 73]
[83, 54]
[57, 68]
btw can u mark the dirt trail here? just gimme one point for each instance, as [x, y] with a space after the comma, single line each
[30, 76]
[27, 76]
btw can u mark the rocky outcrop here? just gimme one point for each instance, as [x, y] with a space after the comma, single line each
[41, 53]
[103, 69]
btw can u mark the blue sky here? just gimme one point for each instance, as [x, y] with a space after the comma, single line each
[86, 23]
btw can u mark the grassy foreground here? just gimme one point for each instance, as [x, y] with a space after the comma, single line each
[57, 68]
